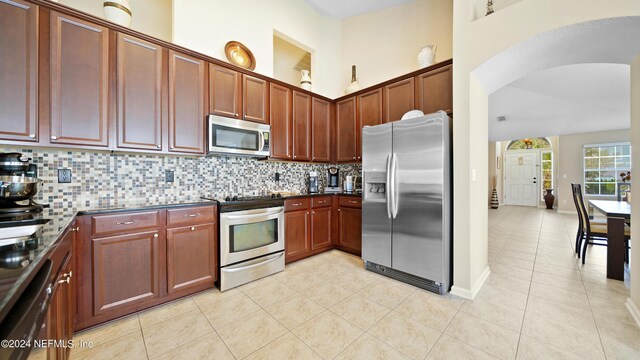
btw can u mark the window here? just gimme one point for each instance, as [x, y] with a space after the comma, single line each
[547, 171]
[603, 164]
[532, 143]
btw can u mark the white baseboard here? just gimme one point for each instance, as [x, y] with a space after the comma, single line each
[633, 309]
[471, 293]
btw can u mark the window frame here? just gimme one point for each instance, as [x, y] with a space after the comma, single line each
[616, 170]
[542, 161]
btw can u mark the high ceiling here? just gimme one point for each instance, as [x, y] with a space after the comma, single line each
[562, 100]
[346, 8]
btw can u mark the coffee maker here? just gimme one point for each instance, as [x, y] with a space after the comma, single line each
[333, 181]
[313, 182]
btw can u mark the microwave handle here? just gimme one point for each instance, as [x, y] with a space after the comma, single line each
[261, 141]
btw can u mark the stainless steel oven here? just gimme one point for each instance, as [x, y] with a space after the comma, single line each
[237, 137]
[251, 245]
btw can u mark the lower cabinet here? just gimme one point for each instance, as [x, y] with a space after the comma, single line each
[321, 228]
[191, 257]
[350, 225]
[297, 235]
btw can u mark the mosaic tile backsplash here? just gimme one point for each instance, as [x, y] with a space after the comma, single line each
[104, 179]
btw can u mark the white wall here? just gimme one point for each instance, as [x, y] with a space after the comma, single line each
[207, 25]
[633, 303]
[152, 17]
[285, 58]
[385, 43]
[570, 161]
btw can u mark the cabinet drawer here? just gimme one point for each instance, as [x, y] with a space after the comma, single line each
[108, 224]
[296, 204]
[350, 201]
[320, 201]
[192, 215]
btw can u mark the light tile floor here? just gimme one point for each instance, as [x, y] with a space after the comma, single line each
[538, 303]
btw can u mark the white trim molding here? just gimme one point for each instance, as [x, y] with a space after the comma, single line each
[633, 309]
[471, 293]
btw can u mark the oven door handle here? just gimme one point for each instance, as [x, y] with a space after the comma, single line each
[250, 216]
[242, 267]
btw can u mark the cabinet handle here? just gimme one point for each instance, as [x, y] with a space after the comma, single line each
[244, 116]
[307, 213]
[128, 222]
[155, 236]
[297, 204]
[54, 137]
[339, 210]
[237, 115]
[67, 279]
[354, 158]
[32, 136]
[193, 228]
[159, 146]
[76, 229]
[191, 215]
[352, 202]
[295, 156]
[70, 274]
[313, 212]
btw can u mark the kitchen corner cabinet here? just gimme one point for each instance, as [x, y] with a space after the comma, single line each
[139, 94]
[19, 69]
[399, 98]
[301, 126]
[78, 69]
[434, 90]
[187, 104]
[321, 122]
[369, 114]
[281, 136]
[308, 226]
[346, 130]
[350, 224]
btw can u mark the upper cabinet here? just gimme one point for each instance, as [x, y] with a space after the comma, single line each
[369, 114]
[224, 91]
[255, 99]
[280, 142]
[19, 69]
[434, 90]
[139, 96]
[79, 76]
[187, 103]
[346, 129]
[321, 115]
[398, 99]
[301, 126]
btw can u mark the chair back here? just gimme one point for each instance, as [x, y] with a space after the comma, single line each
[584, 215]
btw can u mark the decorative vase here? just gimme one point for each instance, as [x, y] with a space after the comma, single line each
[427, 55]
[118, 11]
[354, 86]
[494, 199]
[549, 198]
[305, 80]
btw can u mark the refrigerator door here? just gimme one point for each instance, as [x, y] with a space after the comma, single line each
[420, 238]
[376, 214]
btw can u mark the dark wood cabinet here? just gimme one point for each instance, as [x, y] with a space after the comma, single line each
[191, 257]
[139, 89]
[297, 232]
[434, 90]
[255, 99]
[79, 77]
[350, 229]
[369, 114]
[225, 96]
[398, 99]
[301, 126]
[187, 104]
[126, 270]
[321, 227]
[18, 71]
[281, 135]
[346, 129]
[320, 130]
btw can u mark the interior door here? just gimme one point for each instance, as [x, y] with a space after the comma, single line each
[521, 179]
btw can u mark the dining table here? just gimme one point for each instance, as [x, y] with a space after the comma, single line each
[618, 213]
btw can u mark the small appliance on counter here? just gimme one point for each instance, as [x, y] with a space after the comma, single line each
[333, 181]
[18, 184]
[357, 184]
[313, 183]
[348, 183]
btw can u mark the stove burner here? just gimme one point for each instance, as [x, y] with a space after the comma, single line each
[12, 207]
[252, 198]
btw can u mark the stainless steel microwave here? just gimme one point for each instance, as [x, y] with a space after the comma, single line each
[237, 137]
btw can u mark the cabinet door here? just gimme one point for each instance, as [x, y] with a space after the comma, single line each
[255, 99]
[369, 114]
[224, 91]
[320, 227]
[350, 228]
[301, 126]
[346, 130]
[19, 70]
[434, 90]
[280, 142]
[126, 270]
[297, 235]
[191, 257]
[398, 99]
[139, 94]
[321, 130]
[79, 82]
[66, 308]
[187, 99]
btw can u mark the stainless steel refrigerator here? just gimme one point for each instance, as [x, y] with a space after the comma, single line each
[407, 200]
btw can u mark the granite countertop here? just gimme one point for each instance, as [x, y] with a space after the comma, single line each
[354, 194]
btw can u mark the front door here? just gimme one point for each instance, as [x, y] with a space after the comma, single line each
[521, 178]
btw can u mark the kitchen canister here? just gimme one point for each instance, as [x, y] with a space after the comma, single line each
[427, 55]
[305, 80]
[118, 11]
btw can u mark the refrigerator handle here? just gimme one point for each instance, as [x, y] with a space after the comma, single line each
[394, 181]
[387, 192]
